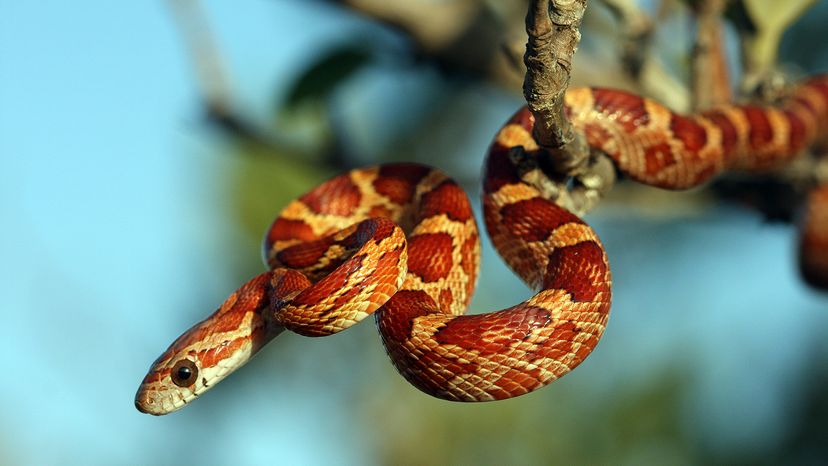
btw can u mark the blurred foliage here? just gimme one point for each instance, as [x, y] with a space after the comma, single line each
[762, 23]
[807, 442]
[328, 70]
[632, 427]
[262, 180]
[773, 15]
[809, 28]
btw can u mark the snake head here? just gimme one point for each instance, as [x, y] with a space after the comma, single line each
[282, 298]
[209, 351]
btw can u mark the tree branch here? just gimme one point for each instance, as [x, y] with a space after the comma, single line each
[552, 27]
[553, 38]
[636, 34]
[210, 71]
[638, 60]
[216, 91]
[461, 36]
[710, 80]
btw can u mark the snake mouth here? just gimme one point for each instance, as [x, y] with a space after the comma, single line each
[140, 407]
[149, 401]
[147, 405]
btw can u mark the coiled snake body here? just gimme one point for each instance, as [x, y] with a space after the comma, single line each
[400, 241]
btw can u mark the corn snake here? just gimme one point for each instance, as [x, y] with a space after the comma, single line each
[335, 258]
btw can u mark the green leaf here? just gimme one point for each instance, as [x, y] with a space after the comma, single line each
[775, 15]
[332, 68]
[769, 18]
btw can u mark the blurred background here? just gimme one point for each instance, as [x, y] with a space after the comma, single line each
[146, 146]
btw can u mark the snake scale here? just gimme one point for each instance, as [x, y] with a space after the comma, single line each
[400, 241]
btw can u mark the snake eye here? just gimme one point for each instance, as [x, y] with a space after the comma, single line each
[184, 373]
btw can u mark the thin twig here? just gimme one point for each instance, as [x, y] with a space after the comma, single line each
[636, 34]
[710, 78]
[210, 70]
[216, 92]
[432, 25]
[637, 30]
[211, 74]
[463, 37]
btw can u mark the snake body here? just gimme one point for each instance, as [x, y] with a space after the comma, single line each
[813, 242]
[400, 241]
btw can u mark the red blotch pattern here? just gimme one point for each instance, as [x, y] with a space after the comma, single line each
[304, 255]
[448, 199]
[689, 132]
[796, 138]
[730, 136]
[535, 219]
[489, 334]
[380, 211]
[396, 317]
[627, 109]
[214, 355]
[307, 255]
[446, 300]
[468, 257]
[598, 136]
[283, 229]
[657, 157]
[284, 283]
[430, 256]
[398, 182]
[339, 196]
[250, 297]
[581, 270]
[499, 170]
[760, 133]
[331, 283]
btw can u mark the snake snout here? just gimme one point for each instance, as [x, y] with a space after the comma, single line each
[144, 403]
[140, 406]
